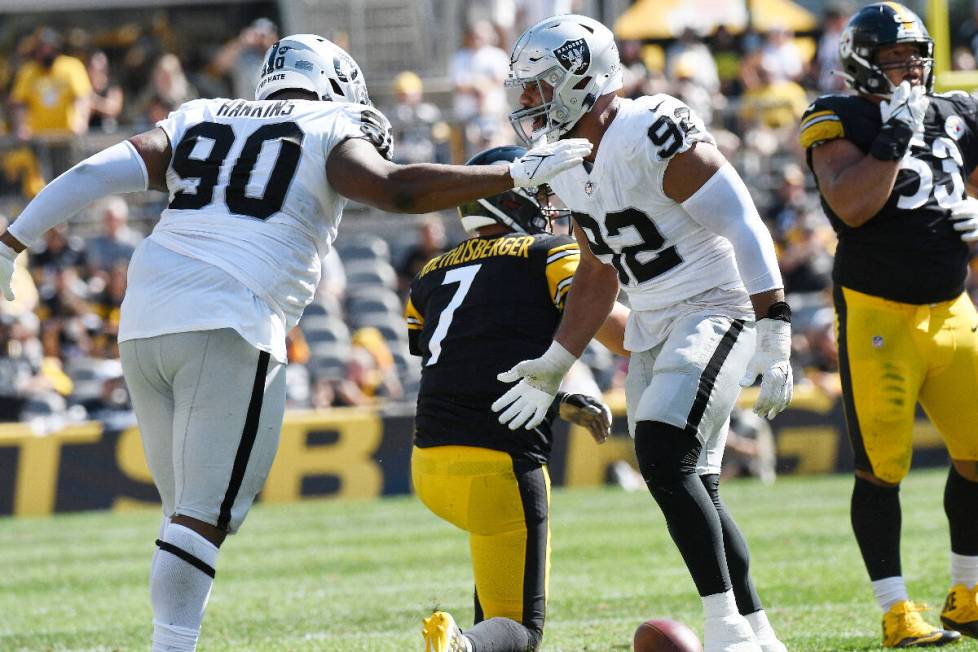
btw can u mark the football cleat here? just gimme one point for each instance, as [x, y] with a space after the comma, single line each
[960, 611]
[441, 634]
[903, 626]
[729, 634]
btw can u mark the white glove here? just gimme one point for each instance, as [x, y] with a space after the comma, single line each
[964, 219]
[770, 361]
[7, 257]
[544, 162]
[908, 104]
[588, 412]
[530, 399]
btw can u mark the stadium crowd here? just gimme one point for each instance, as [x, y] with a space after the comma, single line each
[58, 352]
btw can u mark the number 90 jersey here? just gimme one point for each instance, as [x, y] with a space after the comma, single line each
[909, 251]
[662, 254]
[248, 190]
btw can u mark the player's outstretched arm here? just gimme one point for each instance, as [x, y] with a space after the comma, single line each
[129, 166]
[356, 171]
[589, 302]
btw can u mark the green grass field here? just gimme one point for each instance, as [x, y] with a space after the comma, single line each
[360, 576]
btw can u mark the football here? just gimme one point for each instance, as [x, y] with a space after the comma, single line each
[664, 635]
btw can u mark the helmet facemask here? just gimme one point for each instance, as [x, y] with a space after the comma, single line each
[551, 118]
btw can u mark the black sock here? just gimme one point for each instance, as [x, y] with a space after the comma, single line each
[503, 635]
[667, 457]
[735, 547]
[876, 521]
[961, 507]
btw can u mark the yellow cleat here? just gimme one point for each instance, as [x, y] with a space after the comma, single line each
[961, 610]
[441, 634]
[903, 626]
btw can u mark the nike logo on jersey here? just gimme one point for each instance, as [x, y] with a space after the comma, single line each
[974, 328]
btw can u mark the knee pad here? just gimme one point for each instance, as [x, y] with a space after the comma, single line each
[666, 455]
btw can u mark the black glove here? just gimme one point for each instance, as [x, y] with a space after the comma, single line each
[588, 412]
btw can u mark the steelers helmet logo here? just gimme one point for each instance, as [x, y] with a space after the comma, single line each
[954, 127]
[845, 43]
[574, 56]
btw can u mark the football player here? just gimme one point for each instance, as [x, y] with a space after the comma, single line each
[659, 213]
[472, 313]
[892, 162]
[257, 189]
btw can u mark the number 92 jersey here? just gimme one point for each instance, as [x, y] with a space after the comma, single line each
[909, 251]
[248, 190]
[662, 254]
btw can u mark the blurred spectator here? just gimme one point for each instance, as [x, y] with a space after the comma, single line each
[106, 305]
[20, 172]
[57, 250]
[477, 71]
[107, 95]
[24, 376]
[242, 56]
[336, 391]
[168, 85]
[968, 30]
[371, 365]
[805, 260]
[751, 450]
[818, 353]
[531, 12]
[773, 103]
[111, 405]
[780, 57]
[690, 49]
[827, 54]
[332, 286]
[634, 71]
[727, 58]
[687, 88]
[418, 127]
[117, 242]
[431, 242]
[963, 59]
[51, 95]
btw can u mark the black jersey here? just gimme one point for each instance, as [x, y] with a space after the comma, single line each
[474, 312]
[908, 251]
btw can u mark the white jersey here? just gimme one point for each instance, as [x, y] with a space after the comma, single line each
[248, 196]
[663, 256]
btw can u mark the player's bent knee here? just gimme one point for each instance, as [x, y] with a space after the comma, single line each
[666, 454]
[210, 532]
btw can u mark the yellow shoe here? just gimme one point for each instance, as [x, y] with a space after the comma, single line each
[961, 610]
[904, 627]
[441, 634]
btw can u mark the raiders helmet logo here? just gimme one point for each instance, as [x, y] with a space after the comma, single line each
[345, 70]
[574, 56]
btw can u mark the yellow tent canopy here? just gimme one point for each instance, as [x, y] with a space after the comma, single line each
[658, 19]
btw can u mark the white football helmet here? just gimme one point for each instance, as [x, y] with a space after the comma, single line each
[312, 63]
[574, 55]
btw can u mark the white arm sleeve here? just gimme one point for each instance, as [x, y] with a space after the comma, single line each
[724, 205]
[116, 169]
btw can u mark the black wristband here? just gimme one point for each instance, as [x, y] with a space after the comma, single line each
[780, 311]
[892, 141]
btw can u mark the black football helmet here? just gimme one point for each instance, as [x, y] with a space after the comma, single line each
[524, 210]
[876, 25]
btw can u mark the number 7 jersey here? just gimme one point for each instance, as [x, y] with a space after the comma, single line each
[909, 251]
[661, 253]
